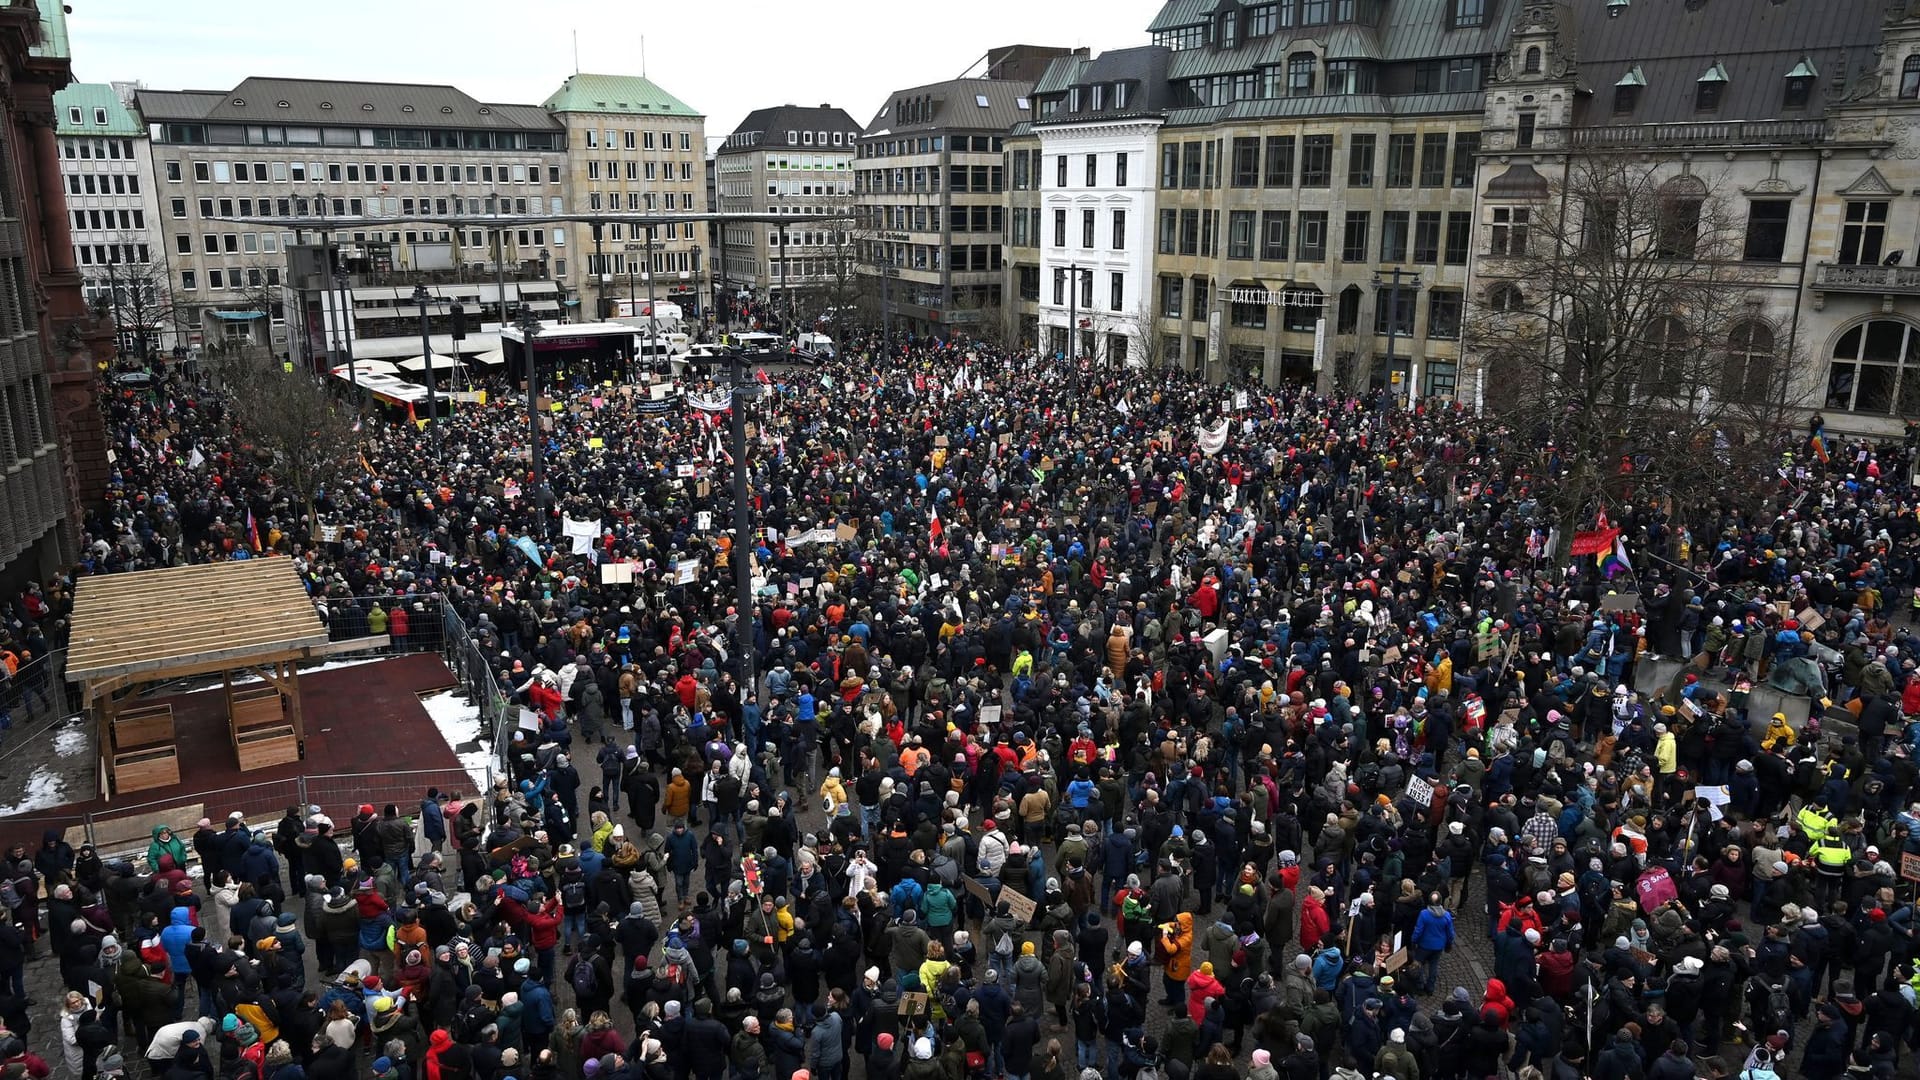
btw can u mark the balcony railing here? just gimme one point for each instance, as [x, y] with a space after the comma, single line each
[1843, 277]
[1703, 133]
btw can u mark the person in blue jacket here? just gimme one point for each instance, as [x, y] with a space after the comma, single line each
[174, 938]
[1432, 935]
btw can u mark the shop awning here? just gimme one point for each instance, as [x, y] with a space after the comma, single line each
[238, 316]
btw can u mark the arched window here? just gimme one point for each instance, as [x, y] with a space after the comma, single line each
[1747, 372]
[1532, 65]
[1869, 369]
[1910, 77]
[1663, 359]
[1506, 296]
[1348, 320]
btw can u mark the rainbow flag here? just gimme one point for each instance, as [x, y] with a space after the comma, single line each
[1819, 447]
[1614, 561]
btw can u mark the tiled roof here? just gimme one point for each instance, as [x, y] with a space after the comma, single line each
[262, 99]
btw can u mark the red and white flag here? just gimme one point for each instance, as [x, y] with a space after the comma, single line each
[934, 528]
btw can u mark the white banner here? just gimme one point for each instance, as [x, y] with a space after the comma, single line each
[583, 534]
[1214, 441]
[685, 571]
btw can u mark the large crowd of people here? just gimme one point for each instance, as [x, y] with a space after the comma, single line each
[1103, 723]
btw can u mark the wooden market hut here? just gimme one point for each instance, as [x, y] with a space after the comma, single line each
[248, 617]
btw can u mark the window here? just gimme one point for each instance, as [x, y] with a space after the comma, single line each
[1316, 161]
[1360, 160]
[1394, 228]
[1313, 12]
[1303, 308]
[1799, 90]
[177, 207]
[1523, 133]
[1086, 228]
[1190, 164]
[1433, 160]
[1506, 297]
[1262, 20]
[1910, 77]
[1348, 77]
[1663, 355]
[1060, 170]
[201, 172]
[1171, 287]
[1767, 229]
[1240, 234]
[1169, 227]
[1170, 166]
[1093, 170]
[1246, 163]
[1120, 169]
[1869, 371]
[1347, 315]
[1863, 233]
[1199, 296]
[1459, 237]
[1400, 161]
[1059, 286]
[1276, 228]
[1509, 230]
[1353, 243]
[1312, 245]
[1709, 89]
[1393, 310]
[1300, 74]
[1119, 230]
[1465, 145]
[1531, 66]
[1059, 228]
[1626, 97]
[1086, 288]
[1426, 237]
[1747, 371]
[1468, 14]
[1116, 291]
[1251, 315]
[173, 172]
[1214, 150]
[189, 281]
[1443, 314]
[1678, 227]
[1279, 161]
[1189, 232]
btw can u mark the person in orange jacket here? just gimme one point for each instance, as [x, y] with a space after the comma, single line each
[1176, 956]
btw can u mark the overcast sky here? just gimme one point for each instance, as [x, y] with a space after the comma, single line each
[724, 58]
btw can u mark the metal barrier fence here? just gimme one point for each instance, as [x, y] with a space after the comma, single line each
[425, 619]
[35, 697]
[125, 827]
[468, 661]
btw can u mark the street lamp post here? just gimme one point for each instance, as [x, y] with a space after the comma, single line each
[529, 328]
[422, 297]
[653, 329]
[739, 393]
[1393, 287]
[1074, 270]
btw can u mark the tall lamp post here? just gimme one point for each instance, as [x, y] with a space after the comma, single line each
[529, 328]
[1393, 287]
[742, 390]
[1074, 270]
[423, 298]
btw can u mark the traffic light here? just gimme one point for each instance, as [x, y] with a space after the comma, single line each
[459, 322]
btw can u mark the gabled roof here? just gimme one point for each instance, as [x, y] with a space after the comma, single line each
[957, 106]
[328, 102]
[1755, 44]
[620, 95]
[88, 97]
[774, 123]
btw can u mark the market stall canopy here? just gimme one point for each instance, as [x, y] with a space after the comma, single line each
[438, 362]
[366, 367]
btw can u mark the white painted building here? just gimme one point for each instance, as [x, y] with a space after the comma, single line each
[1096, 254]
[106, 171]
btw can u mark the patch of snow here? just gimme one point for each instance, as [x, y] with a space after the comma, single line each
[458, 722]
[44, 790]
[328, 666]
[71, 741]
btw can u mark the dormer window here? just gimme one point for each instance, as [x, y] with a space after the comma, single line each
[1120, 95]
[1099, 95]
[1073, 99]
[1710, 88]
[1799, 89]
[1626, 92]
[1532, 64]
[1229, 34]
[1469, 14]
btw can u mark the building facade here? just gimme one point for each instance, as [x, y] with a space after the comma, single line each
[277, 148]
[791, 161]
[1798, 121]
[107, 167]
[1092, 225]
[52, 439]
[1314, 206]
[930, 205]
[633, 147]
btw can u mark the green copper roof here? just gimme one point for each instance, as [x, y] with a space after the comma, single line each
[53, 31]
[88, 97]
[625, 95]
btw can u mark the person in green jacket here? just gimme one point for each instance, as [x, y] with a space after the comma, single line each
[165, 843]
[941, 907]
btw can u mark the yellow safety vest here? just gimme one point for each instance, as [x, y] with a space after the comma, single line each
[1816, 824]
[1832, 854]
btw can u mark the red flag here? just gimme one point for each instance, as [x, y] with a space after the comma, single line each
[934, 529]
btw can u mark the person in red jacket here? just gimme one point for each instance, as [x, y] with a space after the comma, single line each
[1202, 987]
[1314, 922]
[1556, 971]
[543, 930]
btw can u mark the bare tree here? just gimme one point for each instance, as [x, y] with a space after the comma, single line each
[306, 436]
[1619, 335]
[138, 297]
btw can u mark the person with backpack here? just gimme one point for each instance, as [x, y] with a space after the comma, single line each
[573, 890]
[590, 974]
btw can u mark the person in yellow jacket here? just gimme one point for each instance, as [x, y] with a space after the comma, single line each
[1816, 822]
[1779, 733]
[833, 792]
[1176, 957]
